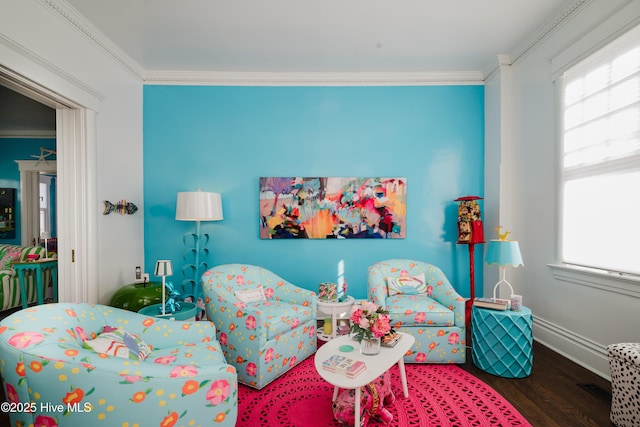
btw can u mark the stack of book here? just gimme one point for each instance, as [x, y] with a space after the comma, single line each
[390, 340]
[492, 303]
[344, 365]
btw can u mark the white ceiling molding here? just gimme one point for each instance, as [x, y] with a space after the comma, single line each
[538, 37]
[313, 79]
[75, 19]
[69, 14]
[547, 29]
[34, 90]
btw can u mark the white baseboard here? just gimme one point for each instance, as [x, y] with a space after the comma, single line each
[581, 350]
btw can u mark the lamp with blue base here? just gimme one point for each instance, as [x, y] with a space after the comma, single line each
[197, 206]
[503, 252]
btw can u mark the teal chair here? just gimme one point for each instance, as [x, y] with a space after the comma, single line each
[432, 311]
[45, 364]
[265, 325]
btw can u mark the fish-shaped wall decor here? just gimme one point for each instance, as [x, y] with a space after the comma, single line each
[122, 207]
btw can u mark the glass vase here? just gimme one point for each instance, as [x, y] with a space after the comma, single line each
[370, 347]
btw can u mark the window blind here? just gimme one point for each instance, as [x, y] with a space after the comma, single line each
[601, 159]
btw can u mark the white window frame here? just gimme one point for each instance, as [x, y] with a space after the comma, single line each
[612, 281]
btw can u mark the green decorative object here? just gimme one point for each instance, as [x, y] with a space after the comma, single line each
[135, 296]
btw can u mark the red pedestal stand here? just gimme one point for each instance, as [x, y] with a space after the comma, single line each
[470, 232]
[472, 285]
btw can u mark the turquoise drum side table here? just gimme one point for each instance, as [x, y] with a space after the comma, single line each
[502, 341]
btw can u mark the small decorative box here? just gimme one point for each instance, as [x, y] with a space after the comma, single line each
[328, 291]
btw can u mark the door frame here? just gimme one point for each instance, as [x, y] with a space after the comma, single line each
[76, 196]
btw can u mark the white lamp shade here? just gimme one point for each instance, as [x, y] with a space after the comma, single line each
[503, 252]
[199, 206]
[163, 268]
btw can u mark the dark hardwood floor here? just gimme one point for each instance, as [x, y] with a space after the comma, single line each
[558, 393]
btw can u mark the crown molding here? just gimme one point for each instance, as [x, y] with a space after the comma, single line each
[532, 43]
[34, 90]
[76, 20]
[314, 79]
[72, 17]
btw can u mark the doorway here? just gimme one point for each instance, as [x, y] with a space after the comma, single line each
[76, 177]
[35, 206]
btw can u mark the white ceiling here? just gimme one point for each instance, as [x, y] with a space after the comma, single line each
[319, 36]
[304, 36]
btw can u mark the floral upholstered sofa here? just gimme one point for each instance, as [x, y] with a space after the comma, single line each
[64, 365]
[9, 281]
[422, 303]
[266, 325]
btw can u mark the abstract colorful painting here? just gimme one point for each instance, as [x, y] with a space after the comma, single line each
[333, 208]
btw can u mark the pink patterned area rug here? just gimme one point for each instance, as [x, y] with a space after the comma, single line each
[439, 395]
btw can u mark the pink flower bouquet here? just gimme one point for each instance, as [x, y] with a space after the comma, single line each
[369, 321]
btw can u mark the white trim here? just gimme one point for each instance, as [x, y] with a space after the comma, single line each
[547, 29]
[37, 91]
[559, 86]
[593, 39]
[557, 338]
[48, 166]
[76, 20]
[538, 37]
[609, 282]
[76, 202]
[506, 196]
[313, 79]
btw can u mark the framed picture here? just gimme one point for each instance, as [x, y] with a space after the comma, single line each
[7, 213]
[333, 208]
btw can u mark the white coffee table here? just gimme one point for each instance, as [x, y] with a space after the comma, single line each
[376, 365]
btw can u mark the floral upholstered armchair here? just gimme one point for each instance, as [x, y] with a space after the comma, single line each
[265, 324]
[77, 365]
[421, 302]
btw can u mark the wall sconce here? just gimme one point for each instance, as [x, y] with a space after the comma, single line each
[197, 206]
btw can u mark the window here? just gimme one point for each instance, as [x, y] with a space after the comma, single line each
[601, 159]
[44, 204]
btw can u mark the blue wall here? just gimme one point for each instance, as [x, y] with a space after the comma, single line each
[13, 149]
[223, 139]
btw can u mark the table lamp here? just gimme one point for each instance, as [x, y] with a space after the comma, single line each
[197, 206]
[163, 268]
[503, 252]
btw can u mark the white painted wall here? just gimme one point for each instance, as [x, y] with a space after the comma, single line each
[36, 43]
[577, 319]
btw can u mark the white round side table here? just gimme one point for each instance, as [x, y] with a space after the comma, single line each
[334, 309]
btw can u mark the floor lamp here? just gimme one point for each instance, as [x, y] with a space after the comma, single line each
[197, 206]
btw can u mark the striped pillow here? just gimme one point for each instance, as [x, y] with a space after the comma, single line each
[408, 285]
